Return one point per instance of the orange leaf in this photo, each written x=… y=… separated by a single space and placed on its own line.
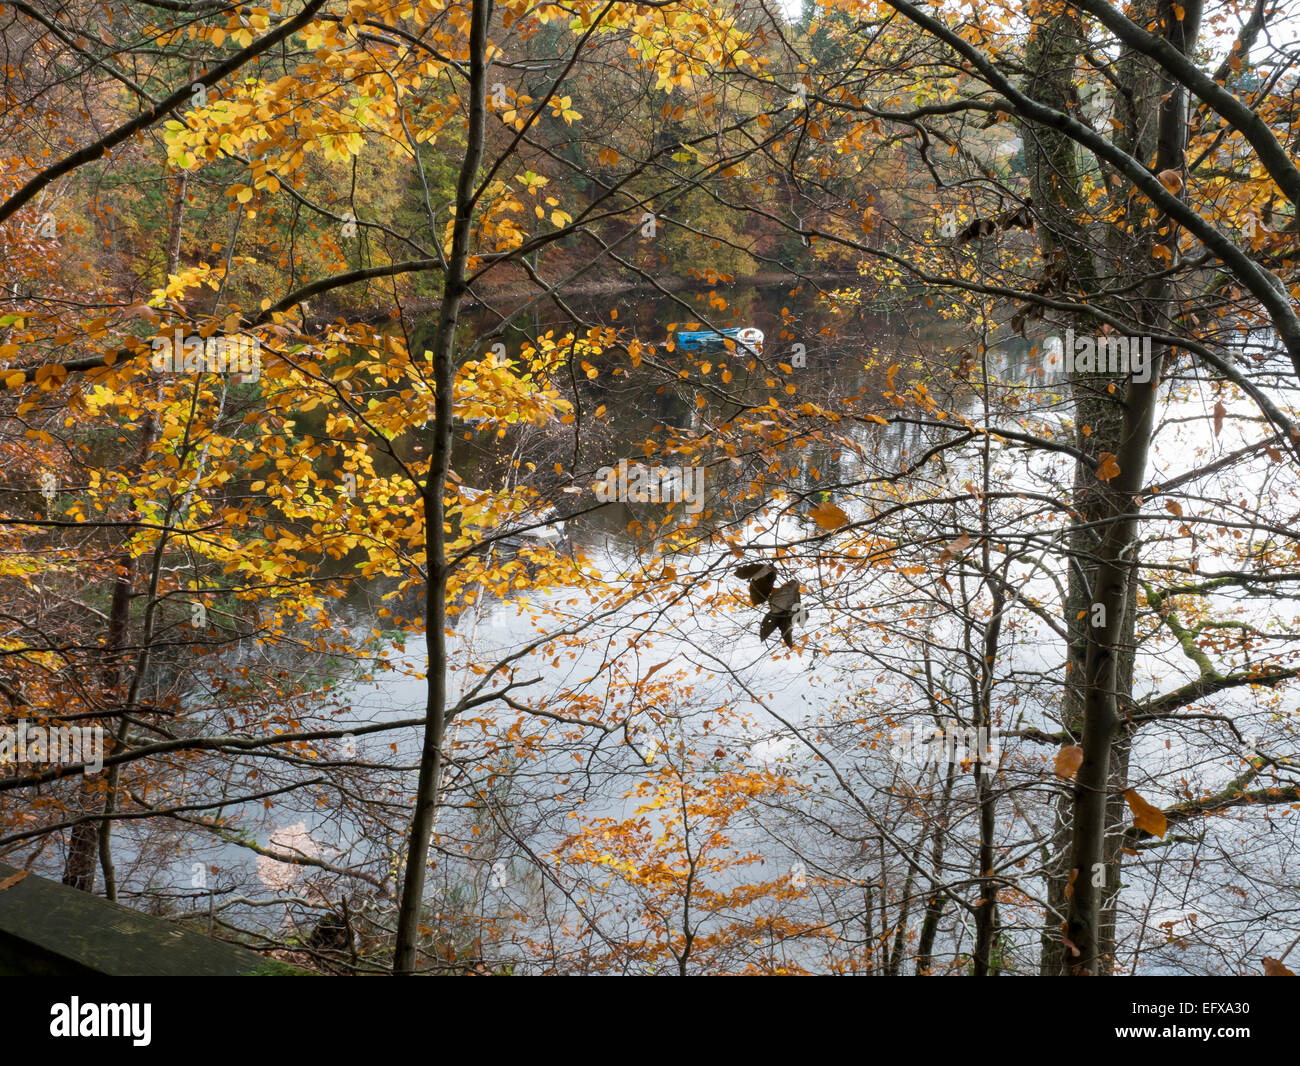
x=1145 y=816
x=1068 y=760
x=655 y=669
x=828 y=516
x=1107 y=468
x=1174 y=508
x=1171 y=180
x=12 y=880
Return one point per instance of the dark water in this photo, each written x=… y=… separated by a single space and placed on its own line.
x=835 y=348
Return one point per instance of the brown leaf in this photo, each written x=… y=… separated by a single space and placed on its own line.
x=786 y=597
x=1017 y=217
x=979 y=227
x=1272 y=968
x=1146 y=817
x=1219 y=412
x=761 y=577
x=787 y=630
x=1068 y=760
x=1174 y=507
x=12 y=880
x=955 y=548
x=655 y=669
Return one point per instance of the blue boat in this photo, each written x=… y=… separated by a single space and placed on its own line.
x=746 y=338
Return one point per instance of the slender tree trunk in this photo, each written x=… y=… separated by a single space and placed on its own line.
x=426 y=794
x=869 y=929
x=120 y=621
x=79 y=866
x=1113 y=849
x=93 y=839
x=900 y=928
x=938 y=899
x=986 y=905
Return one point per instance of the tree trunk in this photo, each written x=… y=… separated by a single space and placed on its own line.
x=426 y=795
x=1117 y=561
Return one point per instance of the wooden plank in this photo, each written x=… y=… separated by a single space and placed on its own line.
x=49 y=929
